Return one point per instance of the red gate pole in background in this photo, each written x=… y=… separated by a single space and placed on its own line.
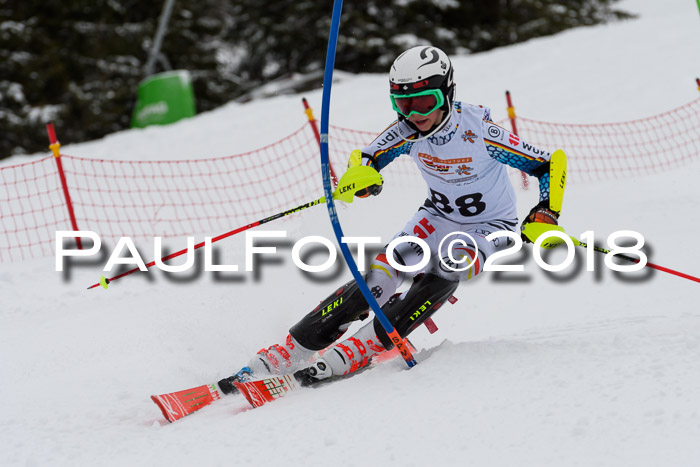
x=511 y=115
x=697 y=81
x=55 y=146
x=312 y=121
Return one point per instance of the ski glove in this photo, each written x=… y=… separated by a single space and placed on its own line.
x=357 y=158
x=542 y=214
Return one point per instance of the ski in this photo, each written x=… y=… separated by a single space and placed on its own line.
x=260 y=392
x=176 y=405
x=267 y=390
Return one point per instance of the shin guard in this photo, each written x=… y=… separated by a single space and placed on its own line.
x=331 y=318
x=409 y=311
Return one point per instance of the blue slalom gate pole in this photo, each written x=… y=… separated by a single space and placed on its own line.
x=328 y=190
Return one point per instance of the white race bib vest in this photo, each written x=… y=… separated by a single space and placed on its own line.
x=464 y=182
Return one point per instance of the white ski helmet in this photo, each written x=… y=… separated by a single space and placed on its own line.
x=416 y=72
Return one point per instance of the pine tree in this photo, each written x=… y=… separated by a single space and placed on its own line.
x=79 y=62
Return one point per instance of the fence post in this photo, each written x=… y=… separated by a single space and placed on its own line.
x=55 y=147
x=511 y=115
x=312 y=121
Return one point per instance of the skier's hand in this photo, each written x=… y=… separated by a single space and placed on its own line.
x=373 y=190
x=542 y=214
x=357 y=158
x=360 y=181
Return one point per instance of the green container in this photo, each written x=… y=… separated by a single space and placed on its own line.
x=164 y=98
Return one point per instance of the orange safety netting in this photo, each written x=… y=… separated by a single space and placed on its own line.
x=143 y=199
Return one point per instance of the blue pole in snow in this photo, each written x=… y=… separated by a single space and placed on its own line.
x=325 y=172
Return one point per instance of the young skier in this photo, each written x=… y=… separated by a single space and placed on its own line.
x=462 y=156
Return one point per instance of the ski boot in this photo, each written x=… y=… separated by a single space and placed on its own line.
x=271 y=361
x=317 y=372
x=244 y=375
x=344 y=358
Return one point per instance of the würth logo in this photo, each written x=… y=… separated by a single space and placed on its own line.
x=513 y=139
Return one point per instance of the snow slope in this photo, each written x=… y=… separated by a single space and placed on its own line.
x=578 y=368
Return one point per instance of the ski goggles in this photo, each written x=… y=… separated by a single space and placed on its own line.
x=421 y=103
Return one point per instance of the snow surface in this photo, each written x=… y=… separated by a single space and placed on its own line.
x=568 y=369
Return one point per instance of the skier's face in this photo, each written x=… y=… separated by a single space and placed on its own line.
x=425 y=123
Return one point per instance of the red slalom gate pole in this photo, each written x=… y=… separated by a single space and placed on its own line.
x=511 y=115
x=312 y=121
x=55 y=147
x=511 y=112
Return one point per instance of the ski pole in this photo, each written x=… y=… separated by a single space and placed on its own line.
x=345 y=191
x=636 y=260
x=104 y=282
x=533 y=230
